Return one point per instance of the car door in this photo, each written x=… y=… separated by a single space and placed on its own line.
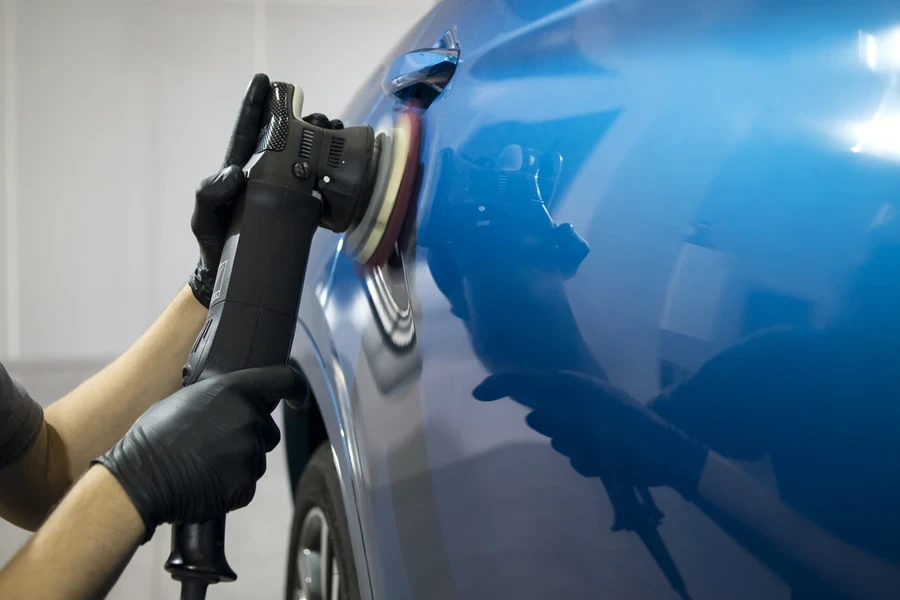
x=626 y=191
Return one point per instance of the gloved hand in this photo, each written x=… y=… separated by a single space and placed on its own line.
x=604 y=431
x=215 y=193
x=198 y=453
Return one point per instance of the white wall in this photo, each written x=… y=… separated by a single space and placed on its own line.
x=4 y=92
x=121 y=107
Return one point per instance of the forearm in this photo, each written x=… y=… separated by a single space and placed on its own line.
x=842 y=566
x=89 y=420
x=85 y=544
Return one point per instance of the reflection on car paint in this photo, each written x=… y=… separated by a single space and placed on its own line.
x=678 y=220
x=389 y=338
x=821 y=403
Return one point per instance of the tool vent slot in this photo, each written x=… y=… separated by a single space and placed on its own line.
x=335 y=152
x=202 y=335
x=306 y=143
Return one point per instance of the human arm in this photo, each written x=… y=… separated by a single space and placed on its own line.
x=797 y=546
x=89 y=420
x=738 y=402
x=88 y=540
x=608 y=434
x=86 y=422
x=192 y=457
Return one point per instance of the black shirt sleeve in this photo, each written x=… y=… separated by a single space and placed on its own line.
x=20 y=419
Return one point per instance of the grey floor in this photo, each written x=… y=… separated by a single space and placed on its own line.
x=256 y=539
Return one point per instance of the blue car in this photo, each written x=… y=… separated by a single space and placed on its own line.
x=640 y=334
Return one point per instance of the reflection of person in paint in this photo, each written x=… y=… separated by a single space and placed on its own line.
x=504 y=238
x=821 y=404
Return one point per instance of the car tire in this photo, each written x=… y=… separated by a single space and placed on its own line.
x=319 y=535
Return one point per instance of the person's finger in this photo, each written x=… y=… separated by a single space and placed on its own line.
x=564 y=446
x=261 y=465
x=245 y=135
x=255 y=457
x=584 y=467
x=502 y=385
x=242 y=496
x=271 y=433
x=268 y=384
x=540 y=423
x=492 y=388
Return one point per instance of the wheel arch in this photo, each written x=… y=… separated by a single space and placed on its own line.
x=313 y=354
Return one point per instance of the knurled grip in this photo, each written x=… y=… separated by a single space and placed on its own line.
x=283 y=103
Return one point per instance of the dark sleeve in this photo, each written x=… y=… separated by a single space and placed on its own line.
x=734 y=400
x=20 y=419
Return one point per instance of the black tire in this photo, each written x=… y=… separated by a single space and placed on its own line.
x=319 y=488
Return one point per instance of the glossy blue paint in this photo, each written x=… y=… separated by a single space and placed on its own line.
x=692 y=206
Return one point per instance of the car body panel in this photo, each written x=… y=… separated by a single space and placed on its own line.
x=625 y=190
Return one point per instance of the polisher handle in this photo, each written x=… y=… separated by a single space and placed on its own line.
x=251 y=323
x=257 y=292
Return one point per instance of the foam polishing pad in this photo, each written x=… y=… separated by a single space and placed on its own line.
x=371 y=240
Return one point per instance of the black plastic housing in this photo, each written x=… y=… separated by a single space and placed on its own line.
x=257 y=293
x=343 y=177
x=301 y=176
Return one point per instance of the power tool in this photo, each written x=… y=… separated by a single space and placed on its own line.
x=306 y=173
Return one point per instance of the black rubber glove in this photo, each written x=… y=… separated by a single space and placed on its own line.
x=605 y=432
x=198 y=453
x=216 y=193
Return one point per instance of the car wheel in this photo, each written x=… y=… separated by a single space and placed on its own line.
x=320 y=560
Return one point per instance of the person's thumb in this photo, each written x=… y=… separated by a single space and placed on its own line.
x=497 y=386
x=269 y=384
x=528 y=389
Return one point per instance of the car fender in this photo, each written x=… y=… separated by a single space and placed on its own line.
x=314 y=353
